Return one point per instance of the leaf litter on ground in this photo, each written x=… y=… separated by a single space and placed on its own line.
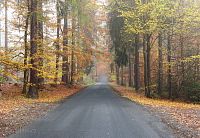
x=182 y=117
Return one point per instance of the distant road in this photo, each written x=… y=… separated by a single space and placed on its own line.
x=97 y=112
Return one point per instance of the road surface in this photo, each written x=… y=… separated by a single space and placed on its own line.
x=97 y=112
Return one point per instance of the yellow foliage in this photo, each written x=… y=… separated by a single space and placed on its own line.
x=141 y=99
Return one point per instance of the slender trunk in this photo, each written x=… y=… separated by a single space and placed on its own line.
x=130 y=70
x=26 y=49
x=148 y=65
x=0 y=30
x=73 y=44
x=79 y=36
x=6 y=26
x=117 y=74
x=137 y=64
x=145 y=64
x=160 y=65
x=180 y=68
x=169 y=67
x=65 y=65
x=122 y=75
x=57 y=43
x=33 y=89
x=182 y=57
x=198 y=63
x=6 y=34
x=40 y=42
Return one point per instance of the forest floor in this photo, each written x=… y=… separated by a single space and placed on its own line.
x=183 y=118
x=16 y=111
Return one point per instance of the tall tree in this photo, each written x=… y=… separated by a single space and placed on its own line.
x=6 y=32
x=59 y=15
x=130 y=69
x=169 y=79
x=73 y=43
x=160 y=64
x=26 y=50
x=33 y=89
x=65 y=65
x=40 y=41
x=1 y=3
x=137 y=63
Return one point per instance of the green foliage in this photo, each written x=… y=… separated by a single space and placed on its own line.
x=2 y=79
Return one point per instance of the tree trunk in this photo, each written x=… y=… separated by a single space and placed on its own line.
x=137 y=64
x=26 y=51
x=130 y=70
x=0 y=30
x=40 y=42
x=147 y=68
x=65 y=65
x=6 y=35
x=145 y=65
x=78 y=69
x=73 y=44
x=160 y=65
x=169 y=67
x=57 y=42
x=182 y=73
x=148 y=65
x=122 y=75
x=197 y=64
x=117 y=74
x=33 y=89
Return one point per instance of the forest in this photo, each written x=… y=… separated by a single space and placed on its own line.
x=86 y=68
x=155 y=44
x=51 y=42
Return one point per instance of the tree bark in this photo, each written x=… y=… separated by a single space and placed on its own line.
x=122 y=75
x=197 y=64
x=117 y=74
x=169 y=67
x=137 y=64
x=40 y=42
x=33 y=89
x=130 y=70
x=26 y=51
x=78 y=69
x=6 y=35
x=148 y=65
x=145 y=64
x=57 y=42
x=73 y=44
x=65 y=65
x=160 y=65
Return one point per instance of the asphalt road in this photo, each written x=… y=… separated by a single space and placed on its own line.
x=97 y=112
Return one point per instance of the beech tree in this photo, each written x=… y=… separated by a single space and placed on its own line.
x=159 y=27
x=48 y=51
